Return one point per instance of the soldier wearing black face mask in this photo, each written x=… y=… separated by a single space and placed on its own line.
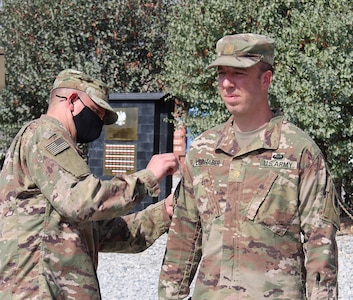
x=89 y=97
x=87 y=122
x=87 y=118
x=55 y=215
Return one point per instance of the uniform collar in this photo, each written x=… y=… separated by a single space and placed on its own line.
x=228 y=143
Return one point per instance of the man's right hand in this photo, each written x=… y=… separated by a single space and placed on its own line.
x=162 y=165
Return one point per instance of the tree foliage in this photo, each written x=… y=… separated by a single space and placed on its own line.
x=313 y=73
x=120 y=42
x=127 y=43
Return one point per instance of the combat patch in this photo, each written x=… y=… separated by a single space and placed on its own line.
x=278 y=161
x=207 y=163
x=57 y=146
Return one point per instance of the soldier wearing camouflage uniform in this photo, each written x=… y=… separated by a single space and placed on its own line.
x=55 y=215
x=256 y=210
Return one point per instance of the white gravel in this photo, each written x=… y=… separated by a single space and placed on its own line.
x=135 y=276
x=131 y=276
x=345 y=266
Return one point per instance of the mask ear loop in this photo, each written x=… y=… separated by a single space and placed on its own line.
x=81 y=101
x=73 y=97
x=63 y=98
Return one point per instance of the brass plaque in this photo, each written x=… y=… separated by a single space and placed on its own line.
x=125 y=128
x=119 y=159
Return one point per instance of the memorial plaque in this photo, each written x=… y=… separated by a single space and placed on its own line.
x=119 y=159
x=128 y=145
x=125 y=128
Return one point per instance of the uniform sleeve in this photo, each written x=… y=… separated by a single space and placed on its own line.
x=135 y=232
x=183 y=250
x=319 y=221
x=63 y=177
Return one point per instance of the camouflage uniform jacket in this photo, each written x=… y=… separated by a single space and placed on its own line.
x=259 y=222
x=55 y=216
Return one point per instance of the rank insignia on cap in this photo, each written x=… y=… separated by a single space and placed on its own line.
x=57 y=146
x=229 y=49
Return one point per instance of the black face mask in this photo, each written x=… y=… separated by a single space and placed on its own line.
x=88 y=125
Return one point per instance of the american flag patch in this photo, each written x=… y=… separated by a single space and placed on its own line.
x=57 y=146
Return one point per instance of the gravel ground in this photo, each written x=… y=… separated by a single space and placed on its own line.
x=131 y=276
x=135 y=276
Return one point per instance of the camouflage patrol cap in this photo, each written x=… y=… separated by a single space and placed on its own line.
x=243 y=50
x=95 y=89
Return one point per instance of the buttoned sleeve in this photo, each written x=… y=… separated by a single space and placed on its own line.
x=319 y=221
x=134 y=232
x=183 y=251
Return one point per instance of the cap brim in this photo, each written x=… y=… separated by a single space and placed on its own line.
x=110 y=117
x=233 y=61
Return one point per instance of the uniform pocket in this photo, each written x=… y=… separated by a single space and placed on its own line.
x=331 y=210
x=274 y=205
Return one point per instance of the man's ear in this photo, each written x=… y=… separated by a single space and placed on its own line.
x=267 y=78
x=73 y=97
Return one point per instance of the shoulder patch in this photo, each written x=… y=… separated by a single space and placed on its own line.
x=48 y=135
x=57 y=146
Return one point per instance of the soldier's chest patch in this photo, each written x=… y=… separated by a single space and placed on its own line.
x=278 y=160
x=201 y=162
